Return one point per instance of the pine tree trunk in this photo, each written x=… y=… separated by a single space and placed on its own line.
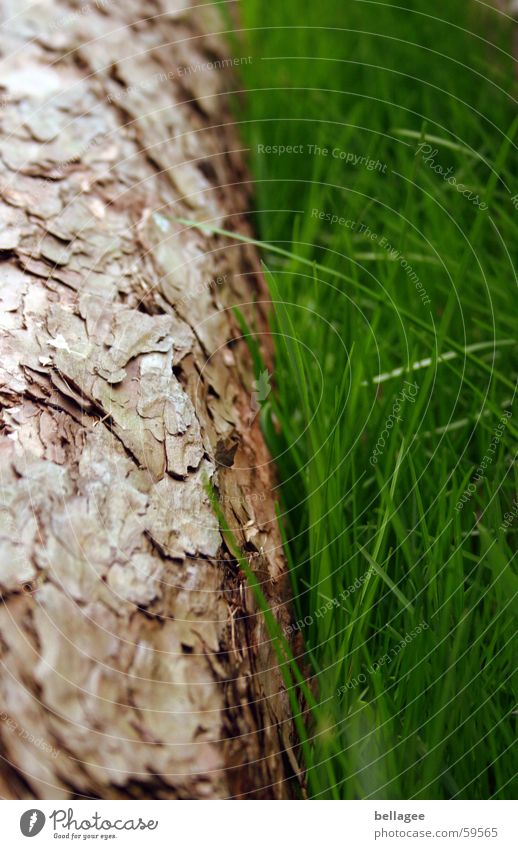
x=134 y=662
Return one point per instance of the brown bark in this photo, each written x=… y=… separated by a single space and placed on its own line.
x=134 y=662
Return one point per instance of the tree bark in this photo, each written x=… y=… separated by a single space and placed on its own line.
x=134 y=661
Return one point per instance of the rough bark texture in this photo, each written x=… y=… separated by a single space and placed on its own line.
x=134 y=663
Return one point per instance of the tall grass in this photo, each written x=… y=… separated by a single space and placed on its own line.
x=394 y=316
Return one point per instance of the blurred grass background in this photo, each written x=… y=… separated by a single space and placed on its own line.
x=432 y=716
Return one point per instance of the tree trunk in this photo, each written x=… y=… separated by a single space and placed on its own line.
x=134 y=661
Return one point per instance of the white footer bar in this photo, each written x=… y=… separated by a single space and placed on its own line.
x=293 y=825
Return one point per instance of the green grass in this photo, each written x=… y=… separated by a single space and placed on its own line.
x=435 y=718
